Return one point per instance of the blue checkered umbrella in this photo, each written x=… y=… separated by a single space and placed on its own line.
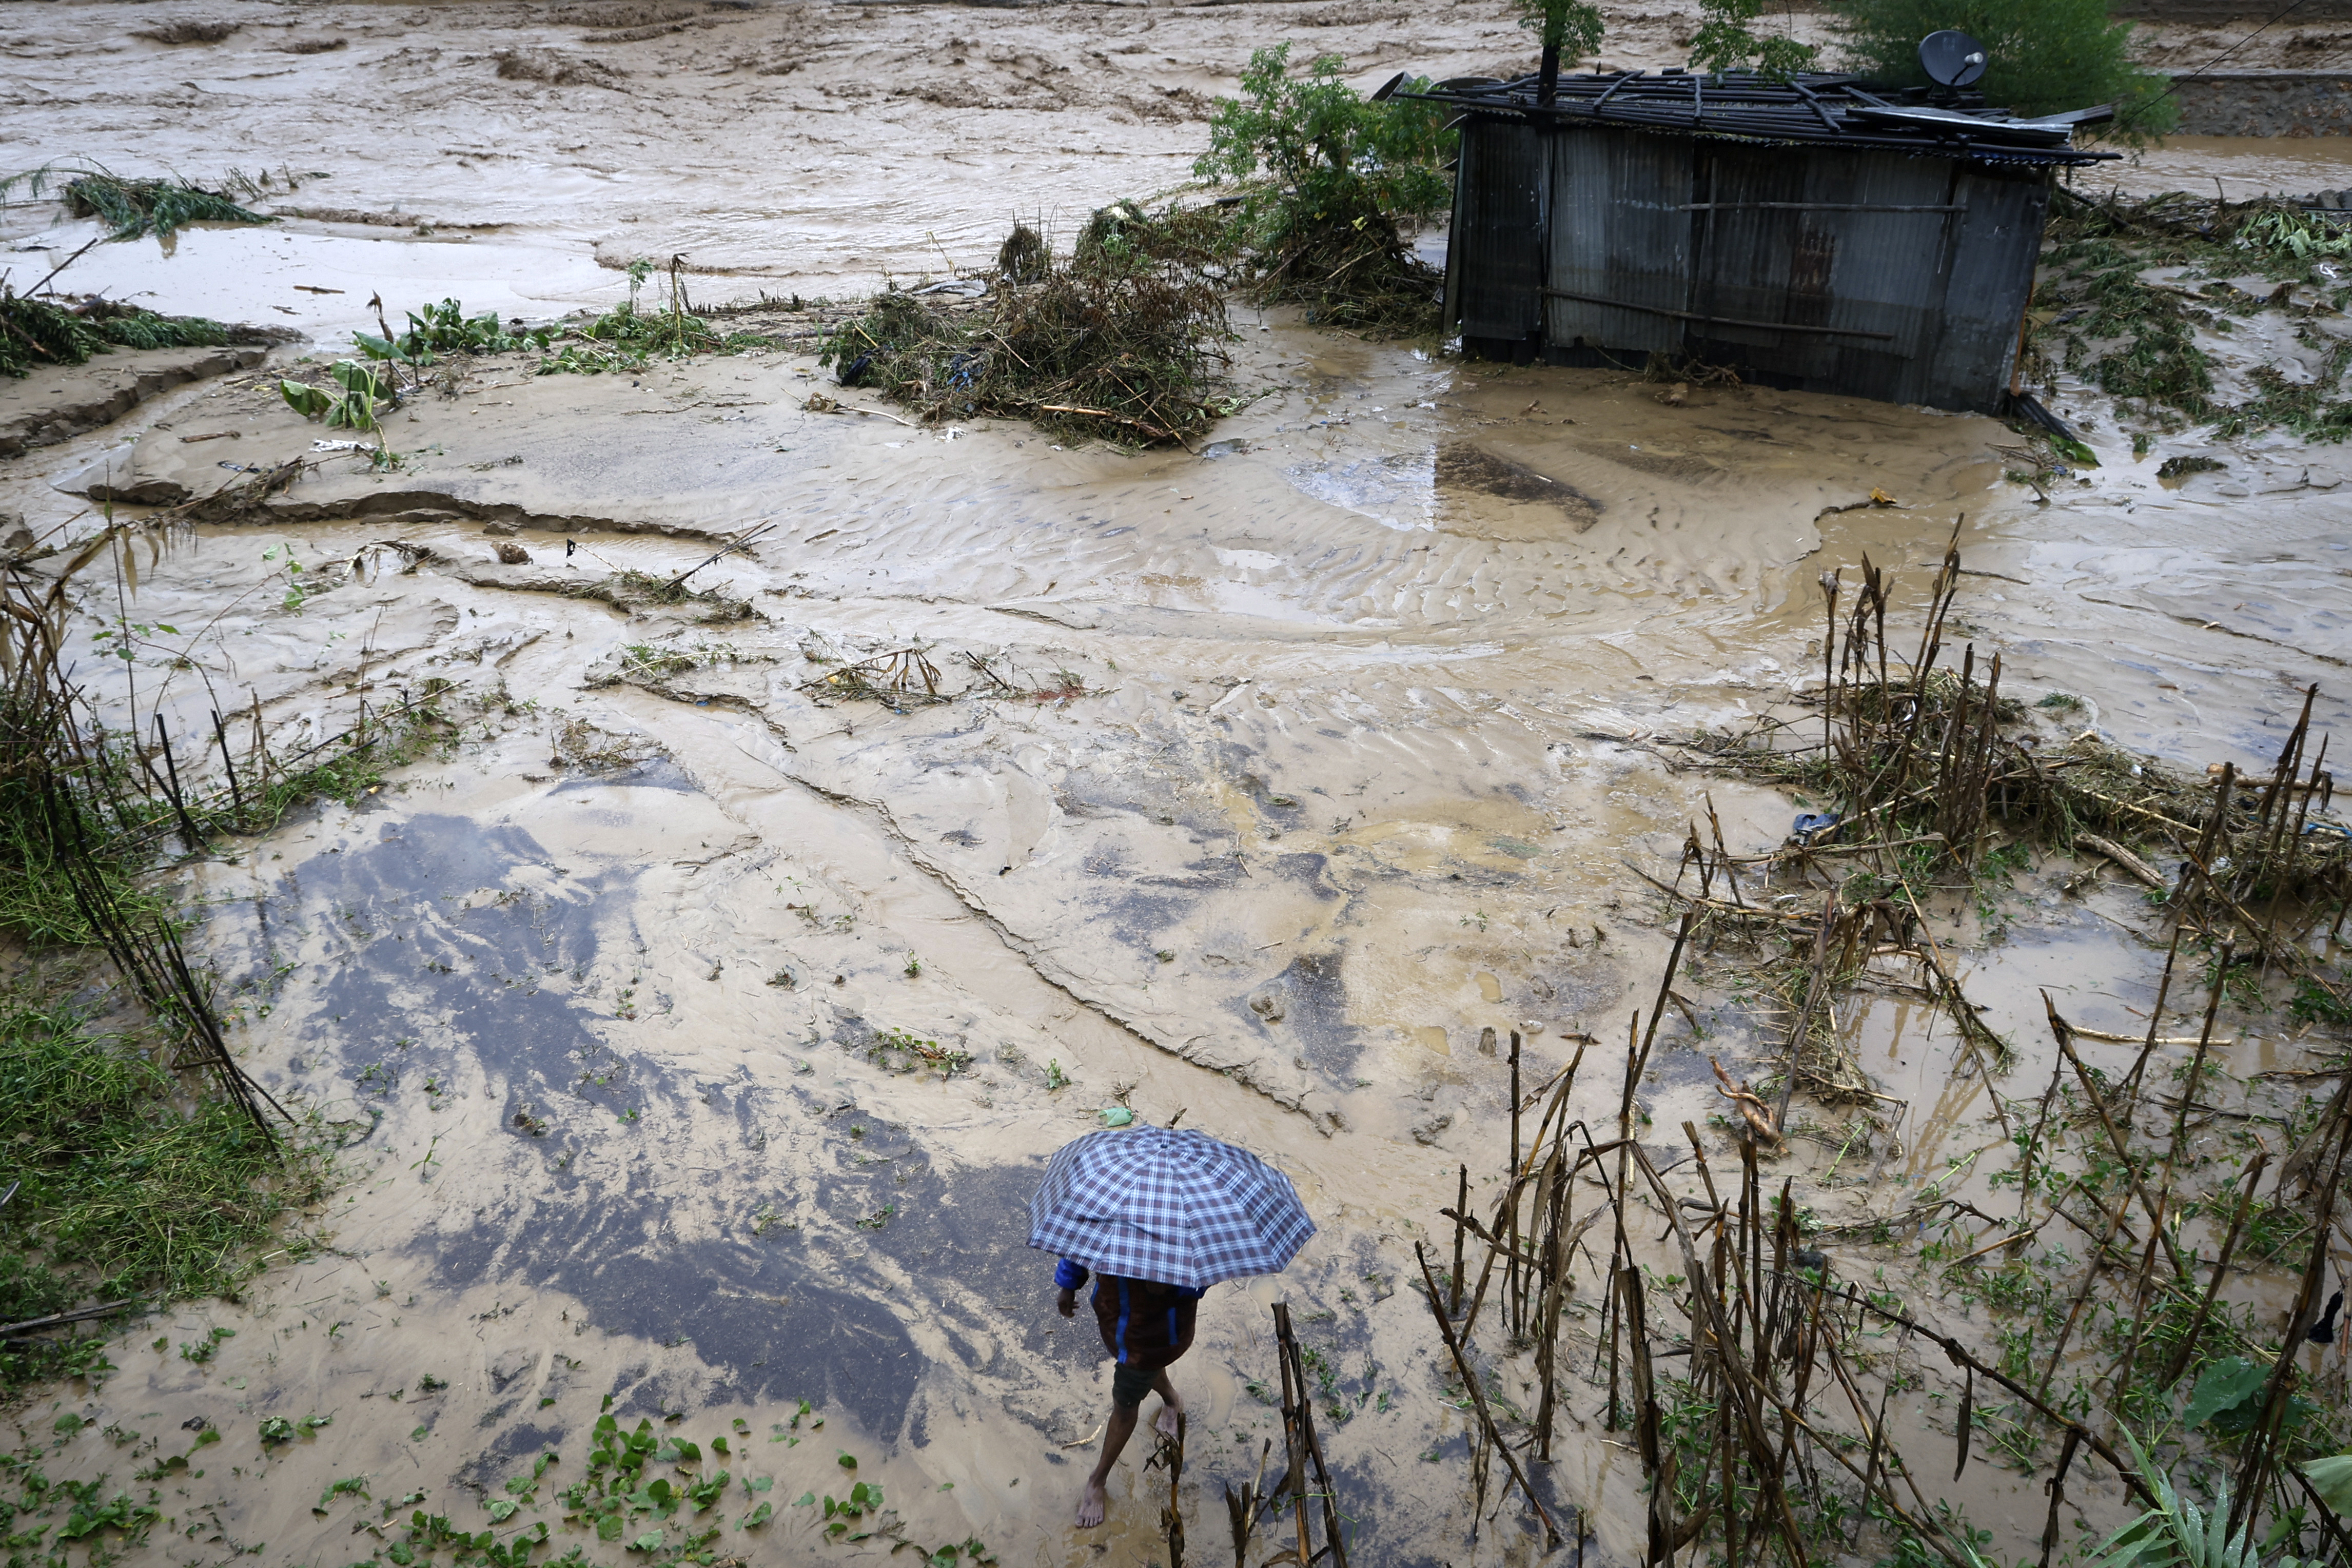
x=1177 y=1207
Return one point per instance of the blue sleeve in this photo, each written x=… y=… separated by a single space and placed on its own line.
x=1068 y=1276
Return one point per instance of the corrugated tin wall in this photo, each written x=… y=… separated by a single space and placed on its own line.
x=1869 y=273
x=1623 y=235
x=1494 y=289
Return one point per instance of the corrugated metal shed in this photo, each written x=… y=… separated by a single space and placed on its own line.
x=1814 y=234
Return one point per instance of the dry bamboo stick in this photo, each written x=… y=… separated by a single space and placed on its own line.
x=1478 y=1402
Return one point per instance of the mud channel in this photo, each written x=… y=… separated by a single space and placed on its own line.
x=1260 y=781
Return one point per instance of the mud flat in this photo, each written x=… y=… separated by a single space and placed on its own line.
x=693 y=1028
x=690 y=1028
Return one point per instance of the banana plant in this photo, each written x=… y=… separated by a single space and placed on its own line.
x=353 y=407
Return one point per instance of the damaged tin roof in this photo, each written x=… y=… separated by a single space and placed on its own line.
x=1807 y=109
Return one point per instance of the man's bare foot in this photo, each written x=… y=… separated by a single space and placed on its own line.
x=1092 y=1503
x=1170 y=1408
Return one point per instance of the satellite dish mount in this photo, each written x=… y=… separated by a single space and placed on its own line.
x=1952 y=59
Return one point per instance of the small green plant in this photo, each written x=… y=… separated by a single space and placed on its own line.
x=362 y=389
x=1055 y=1076
x=629 y=336
x=446 y=329
x=2314 y=1003
x=914 y=967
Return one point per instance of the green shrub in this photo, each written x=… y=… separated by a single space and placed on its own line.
x=1318 y=140
x=1565 y=30
x=2046 y=55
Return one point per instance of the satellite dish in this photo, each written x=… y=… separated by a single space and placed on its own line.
x=1952 y=58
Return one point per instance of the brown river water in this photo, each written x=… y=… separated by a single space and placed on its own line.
x=1316 y=754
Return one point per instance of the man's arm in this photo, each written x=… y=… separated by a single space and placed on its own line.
x=1068 y=1277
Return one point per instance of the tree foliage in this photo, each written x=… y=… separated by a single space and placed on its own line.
x=2047 y=55
x=1727 y=40
x=1572 y=26
x=1310 y=135
x=1327 y=177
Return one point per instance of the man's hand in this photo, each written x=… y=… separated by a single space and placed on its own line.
x=1067 y=1304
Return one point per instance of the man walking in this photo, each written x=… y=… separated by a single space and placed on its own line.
x=1146 y=1326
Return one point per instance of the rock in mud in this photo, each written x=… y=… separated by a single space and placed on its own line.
x=1463 y=466
x=513 y=555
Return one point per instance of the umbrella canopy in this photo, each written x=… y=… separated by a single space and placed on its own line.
x=1177 y=1207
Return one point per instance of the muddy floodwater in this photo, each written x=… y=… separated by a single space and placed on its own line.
x=693 y=1029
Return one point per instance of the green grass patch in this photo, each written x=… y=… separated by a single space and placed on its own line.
x=629 y=336
x=129 y=1188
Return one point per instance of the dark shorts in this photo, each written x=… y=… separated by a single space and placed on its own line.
x=1130 y=1383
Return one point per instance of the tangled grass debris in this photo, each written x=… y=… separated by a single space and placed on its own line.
x=1117 y=342
x=2148 y=341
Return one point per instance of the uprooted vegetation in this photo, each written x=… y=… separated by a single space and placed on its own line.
x=129 y=207
x=1122 y=340
x=2150 y=341
x=1944 y=760
x=45 y=332
x=1930 y=785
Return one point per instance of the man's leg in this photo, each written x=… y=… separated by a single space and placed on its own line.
x=1094 y=1502
x=1171 y=1404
